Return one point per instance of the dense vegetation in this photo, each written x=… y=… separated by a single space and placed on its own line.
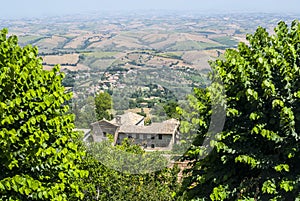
x=126 y=172
x=39 y=159
x=257 y=155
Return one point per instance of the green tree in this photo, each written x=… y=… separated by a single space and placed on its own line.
x=39 y=157
x=84 y=110
x=107 y=182
x=257 y=155
x=170 y=109
x=103 y=103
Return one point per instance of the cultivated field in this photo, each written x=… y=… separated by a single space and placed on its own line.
x=61 y=59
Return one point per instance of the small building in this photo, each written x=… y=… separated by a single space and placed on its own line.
x=157 y=136
x=103 y=127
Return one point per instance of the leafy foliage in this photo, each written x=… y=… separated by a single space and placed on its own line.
x=84 y=111
x=39 y=157
x=103 y=103
x=257 y=155
x=105 y=182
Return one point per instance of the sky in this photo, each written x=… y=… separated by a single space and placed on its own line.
x=11 y=9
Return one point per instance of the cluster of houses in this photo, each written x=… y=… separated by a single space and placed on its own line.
x=156 y=136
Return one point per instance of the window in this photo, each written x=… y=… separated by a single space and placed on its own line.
x=152 y=146
x=152 y=137
x=104 y=134
x=160 y=136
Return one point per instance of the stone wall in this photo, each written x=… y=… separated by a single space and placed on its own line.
x=148 y=140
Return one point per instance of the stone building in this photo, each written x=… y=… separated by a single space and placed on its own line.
x=157 y=136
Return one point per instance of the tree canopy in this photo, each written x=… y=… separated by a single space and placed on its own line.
x=39 y=155
x=257 y=155
x=111 y=173
x=103 y=103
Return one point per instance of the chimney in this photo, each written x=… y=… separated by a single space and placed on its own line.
x=118 y=120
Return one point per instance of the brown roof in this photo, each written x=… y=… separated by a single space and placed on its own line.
x=128 y=118
x=101 y=122
x=166 y=127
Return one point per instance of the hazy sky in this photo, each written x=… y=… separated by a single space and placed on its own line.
x=36 y=8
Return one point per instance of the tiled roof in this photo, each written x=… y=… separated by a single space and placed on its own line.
x=128 y=118
x=166 y=127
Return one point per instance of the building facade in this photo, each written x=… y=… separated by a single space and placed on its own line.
x=157 y=136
